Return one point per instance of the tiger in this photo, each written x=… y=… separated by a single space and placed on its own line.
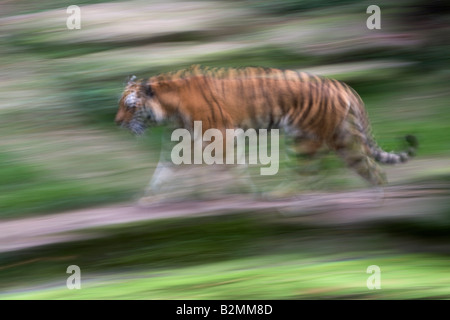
x=314 y=111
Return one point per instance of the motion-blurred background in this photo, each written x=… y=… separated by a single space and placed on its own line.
x=60 y=150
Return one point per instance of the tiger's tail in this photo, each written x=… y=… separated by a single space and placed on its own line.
x=376 y=151
x=385 y=157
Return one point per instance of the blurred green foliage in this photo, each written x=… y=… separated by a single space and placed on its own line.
x=239 y=256
x=60 y=149
x=30 y=189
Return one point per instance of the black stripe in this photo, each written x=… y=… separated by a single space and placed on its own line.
x=260 y=94
x=341 y=90
x=208 y=101
x=211 y=87
x=294 y=96
x=249 y=103
x=317 y=102
x=339 y=100
x=310 y=101
x=299 y=99
x=327 y=102
x=283 y=106
x=241 y=88
x=288 y=85
x=223 y=87
x=268 y=94
x=271 y=109
x=280 y=104
x=262 y=85
x=219 y=106
x=322 y=101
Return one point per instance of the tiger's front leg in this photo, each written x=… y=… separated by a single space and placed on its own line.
x=168 y=181
x=158 y=189
x=172 y=182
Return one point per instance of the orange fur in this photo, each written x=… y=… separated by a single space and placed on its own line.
x=313 y=109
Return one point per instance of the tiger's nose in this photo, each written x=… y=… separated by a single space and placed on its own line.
x=118 y=121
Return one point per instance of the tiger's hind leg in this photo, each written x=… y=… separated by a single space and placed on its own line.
x=349 y=144
x=303 y=161
x=306 y=153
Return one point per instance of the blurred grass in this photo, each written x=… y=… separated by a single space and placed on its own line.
x=239 y=256
x=254 y=278
x=29 y=189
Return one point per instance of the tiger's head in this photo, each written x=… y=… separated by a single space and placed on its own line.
x=139 y=107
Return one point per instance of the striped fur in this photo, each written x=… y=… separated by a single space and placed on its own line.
x=316 y=111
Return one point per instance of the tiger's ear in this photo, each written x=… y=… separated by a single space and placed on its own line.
x=147 y=89
x=131 y=79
